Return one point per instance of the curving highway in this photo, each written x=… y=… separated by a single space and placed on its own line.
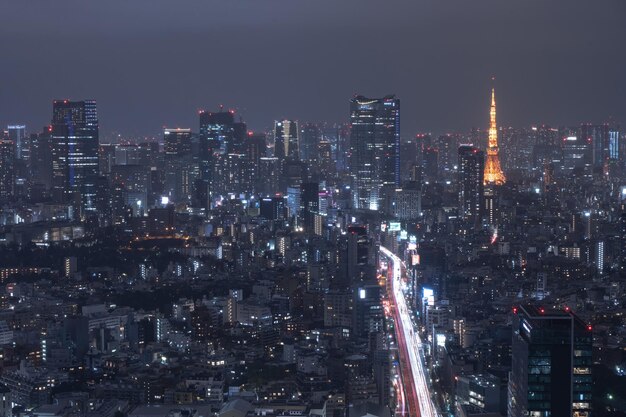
x=414 y=378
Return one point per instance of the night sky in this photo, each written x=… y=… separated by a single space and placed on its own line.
x=151 y=63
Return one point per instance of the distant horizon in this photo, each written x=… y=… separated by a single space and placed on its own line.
x=151 y=63
x=194 y=127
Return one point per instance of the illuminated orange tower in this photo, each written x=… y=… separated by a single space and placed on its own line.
x=493 y=171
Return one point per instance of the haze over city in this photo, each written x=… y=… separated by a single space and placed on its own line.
x=292 y=208
x=154 y=63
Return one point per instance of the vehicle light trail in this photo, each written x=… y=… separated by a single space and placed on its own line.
x=414 y=378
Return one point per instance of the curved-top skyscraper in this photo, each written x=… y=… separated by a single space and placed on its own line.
x=493 y=171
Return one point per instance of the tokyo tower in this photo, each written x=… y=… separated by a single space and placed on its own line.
x=493 y=171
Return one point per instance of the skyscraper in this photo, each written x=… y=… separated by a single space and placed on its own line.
x=17 y=133
x=286 y=139
x=310 y=136
x=177 y=163
x=598 y=137
x=7 y=169
x=614 y=144
x=551 y=364
x=218 y=128
x=374 y=148
x=471 y=188
x=493 y=171
x=309 y=204
x=254 y=148
x=41 y=157
x=74 y=133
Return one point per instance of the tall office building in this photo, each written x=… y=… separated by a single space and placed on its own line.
x=576 y=153
x=471 y=188
x=309 y=204
x=374 y=148
x=310 y=136
x=615 y=146
x=41 y=157
x=361 y=256
x=598 y=137
x=255 y=149
x=551 y=364
x=268 y=181
x=17 y=133
x=286 y=139
x=74 y=133
x=430 y=164
x=7 y=169
x=368 y=310
x=178 y=157
x=218 y=128
x=493 y=170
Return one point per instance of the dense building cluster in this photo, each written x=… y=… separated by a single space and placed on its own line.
x=216 y=271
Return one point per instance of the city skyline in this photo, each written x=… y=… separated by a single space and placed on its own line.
x=281 y=208
x=442 y=82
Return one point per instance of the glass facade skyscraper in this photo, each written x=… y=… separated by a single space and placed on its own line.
x=75 y=167
x=374 y=148
x=286 y=139
x=551 y=364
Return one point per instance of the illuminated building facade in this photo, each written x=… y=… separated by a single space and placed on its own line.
x=286 y=139
x=75 y=163
x=471 y=177
x=178 y=156
x=374 y=148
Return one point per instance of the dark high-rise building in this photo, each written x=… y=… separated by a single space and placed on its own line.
x=17 y=133
x=310 y=136
x=236 y=173
x=75 y=152
x=286 y=139
x=178 y=157
x=551 y=364
x=7 y=169
x=41 y=157
x=368 y=310
x=255 y=149
x=430 y=164
x=622 y=237
x=360 y=256
x=272 y=208
x=447 y=146
x=309 y=204
x=597 y=136
x=576 y=152
x=268 y=181
x=374 y=148
x=218 y=128
x=240 y=136
x=136 y=181
x=471 y=188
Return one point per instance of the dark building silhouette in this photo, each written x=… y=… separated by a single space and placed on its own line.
x=471 y=188
x=551 y=364
x=7 y=169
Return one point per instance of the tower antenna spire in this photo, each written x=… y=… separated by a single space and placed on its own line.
x=493 y=171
